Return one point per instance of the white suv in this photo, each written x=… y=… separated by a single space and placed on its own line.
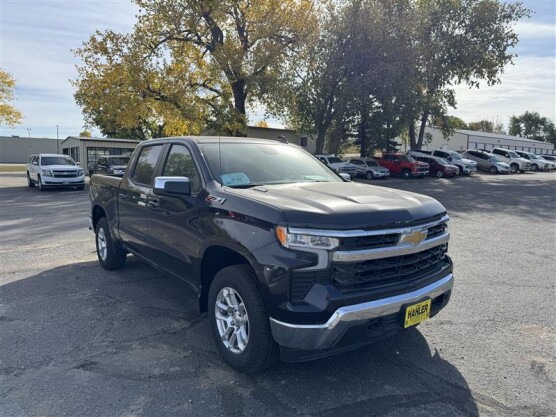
x=337 y=165
x=516 y=162
x=51 y=170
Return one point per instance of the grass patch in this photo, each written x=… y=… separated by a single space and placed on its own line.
x=12 y=168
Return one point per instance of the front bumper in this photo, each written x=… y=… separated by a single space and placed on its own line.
x=379 y=174
x=63 y=182
x=326 y=336
x=420 y=173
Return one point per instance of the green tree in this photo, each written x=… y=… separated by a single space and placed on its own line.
x=85 y=134
x=458 y=42
x=9 y=115
x=533 y=126
x=191 y=65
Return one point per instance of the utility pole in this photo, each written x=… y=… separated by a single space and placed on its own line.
x=57 y=141
x=29 y=131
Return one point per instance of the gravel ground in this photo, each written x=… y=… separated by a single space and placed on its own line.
x=76 y=340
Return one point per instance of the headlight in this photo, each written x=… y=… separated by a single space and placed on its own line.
x=47 y=173
x=79 y=172
x=295 y=240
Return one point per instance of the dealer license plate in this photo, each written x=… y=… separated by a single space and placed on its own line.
x=416 y=313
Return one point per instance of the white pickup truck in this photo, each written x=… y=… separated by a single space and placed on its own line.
x=51 y=170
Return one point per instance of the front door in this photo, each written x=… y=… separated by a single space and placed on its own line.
x=173 y=236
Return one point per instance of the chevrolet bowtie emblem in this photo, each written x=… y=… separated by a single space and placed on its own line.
x=413 y=237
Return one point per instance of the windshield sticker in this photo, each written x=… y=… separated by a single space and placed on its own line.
x=235 y=178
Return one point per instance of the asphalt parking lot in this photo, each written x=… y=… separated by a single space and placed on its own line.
x=76 y=340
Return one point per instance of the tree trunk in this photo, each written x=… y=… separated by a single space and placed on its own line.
x=422 y=129
x=240 y=96
x=412 y=140
x=321 y=136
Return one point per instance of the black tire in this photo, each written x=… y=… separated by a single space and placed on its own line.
x=439 y=173
x=261 y=351
x=406 y=173
x=30 y=182
x=535 y=167
x=514 y=168
x=460 y=170
x=369 y=175
x=115 y=255
x=493 y=170
x=39 y=183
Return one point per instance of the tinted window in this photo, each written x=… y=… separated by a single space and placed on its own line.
x=56 y=160
x=146 y=163
x=356 y=162
x=498 y=152
x=181 y=164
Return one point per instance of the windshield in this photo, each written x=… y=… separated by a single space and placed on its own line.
x=406 y=158
x=334 y=160
x=494 y=158
x=119 y=161
x=56 y=160
x=371 y=162
x=455 y=155
x=513 y=154
x=249 y=164
x=533 y=156
x=442 y=161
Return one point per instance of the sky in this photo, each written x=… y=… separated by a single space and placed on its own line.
x=37 y=36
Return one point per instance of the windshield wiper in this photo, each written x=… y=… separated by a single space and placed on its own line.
x=250 y=185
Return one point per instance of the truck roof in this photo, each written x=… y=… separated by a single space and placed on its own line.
x=219 y=139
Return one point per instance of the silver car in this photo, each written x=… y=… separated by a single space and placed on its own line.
x=369 y=168
x=487 y=161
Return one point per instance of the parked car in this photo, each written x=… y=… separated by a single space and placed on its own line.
x=552 y=164
x=465 y=166
x=337 y=165
x=438 y=167
x=549 y=157
x=52 y=170
x=369 y=168
x=110 y=165
x=403 y=165
x=487 y=161
x=536 y=163
x=286 y=258
x=515 y=162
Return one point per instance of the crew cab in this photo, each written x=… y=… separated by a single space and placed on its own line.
x=287 y=259
x=516 y=163
x=337 y=165
x=403 y=165
x=53 y=170
x=110 y=165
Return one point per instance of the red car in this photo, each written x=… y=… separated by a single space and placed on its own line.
x=403 y=165
x=439 y=167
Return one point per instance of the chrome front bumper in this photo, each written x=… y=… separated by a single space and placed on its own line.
x=324 y=336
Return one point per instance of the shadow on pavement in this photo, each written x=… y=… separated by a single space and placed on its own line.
x=83 y=341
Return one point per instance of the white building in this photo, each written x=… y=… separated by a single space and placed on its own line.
x=470 y=139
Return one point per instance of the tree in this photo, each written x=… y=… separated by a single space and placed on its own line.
x=85 y=134
x=262 y=123
x=487 y=126
x=462 y=41
x=190 y=65
x=9 y=115
x=533 y=126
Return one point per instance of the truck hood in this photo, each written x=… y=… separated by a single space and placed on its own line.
x=468 y=161
x=344 y=206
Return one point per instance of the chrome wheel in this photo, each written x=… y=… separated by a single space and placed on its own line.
x=232 y=320
x=101 y=244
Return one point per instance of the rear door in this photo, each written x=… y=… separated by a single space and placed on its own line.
x=133 y=197
x=171 y=219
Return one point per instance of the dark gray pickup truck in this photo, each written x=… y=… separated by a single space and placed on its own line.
x=286 y=257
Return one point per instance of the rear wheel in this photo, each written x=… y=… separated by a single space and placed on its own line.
x=406 y=173
x=369 y=175
x=30 y=182
x=514 y=168
x=239 y=321
x=493 y=170
x=110 y=254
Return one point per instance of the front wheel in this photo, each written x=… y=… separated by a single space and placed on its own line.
x=39 y=183
x=406 y=173
x=239 y=321
x=514 y=168
x=439 y=174
x=110 y=254
x=30 y=182
x=535 y=167
x=493 y=170
x=369 y=175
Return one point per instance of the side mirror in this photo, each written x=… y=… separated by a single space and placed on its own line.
x=172 y=186
x=345 y=176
